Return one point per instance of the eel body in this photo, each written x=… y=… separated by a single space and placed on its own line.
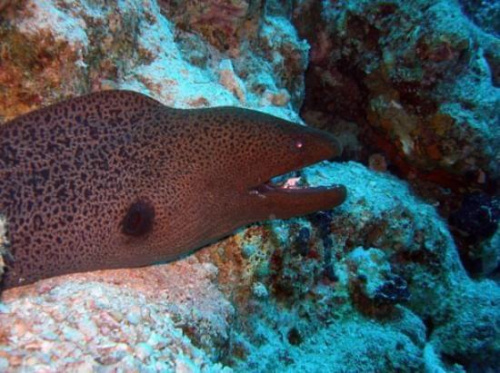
x=116 y=179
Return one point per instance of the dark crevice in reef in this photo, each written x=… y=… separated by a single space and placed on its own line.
x=493 y=60
x=474 y=221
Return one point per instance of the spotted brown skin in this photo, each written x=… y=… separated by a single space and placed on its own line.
x=115 y=179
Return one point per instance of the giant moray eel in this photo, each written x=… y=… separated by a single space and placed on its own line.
x=116 y=179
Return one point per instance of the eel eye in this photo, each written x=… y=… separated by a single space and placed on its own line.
x=298 y=145
x=139 y=219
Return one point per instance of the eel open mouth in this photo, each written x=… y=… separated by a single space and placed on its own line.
x=286 y=197
x=293 y=183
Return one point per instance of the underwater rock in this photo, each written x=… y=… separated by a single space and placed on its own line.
x=407 y=261
x=131 y=45
x=418 y=81
x=485 y=14
x=490 y=255
x=417 y=76
x=266 y=51
x=151 y=319
x=223 y=23
x=374 y=287
x=470 y=337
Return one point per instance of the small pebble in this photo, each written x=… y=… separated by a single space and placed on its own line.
x=134 y=316
x=116 y=315
x=157 y=341
x=248 y=249
x=72 y=334
x=83 y=367
x=4 y=364
x=143 y=350
x=19 y=328
x=49 y=335
x=88 y=327
x=259 y=290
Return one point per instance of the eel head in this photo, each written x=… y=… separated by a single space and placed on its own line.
x=266 y=148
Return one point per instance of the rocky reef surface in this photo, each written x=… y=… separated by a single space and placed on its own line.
x=419 y=76
x=377 y=284
x=413 y=87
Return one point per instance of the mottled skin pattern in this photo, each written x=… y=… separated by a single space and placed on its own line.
x=115 y=179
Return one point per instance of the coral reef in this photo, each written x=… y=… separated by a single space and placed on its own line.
x=420 y=81
x=375 y=285
x=470 y=337
x=223 y=23
x=394 y=263
x=484 y=14
x=427 y=92
x=265 y=51
x=91 y=47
